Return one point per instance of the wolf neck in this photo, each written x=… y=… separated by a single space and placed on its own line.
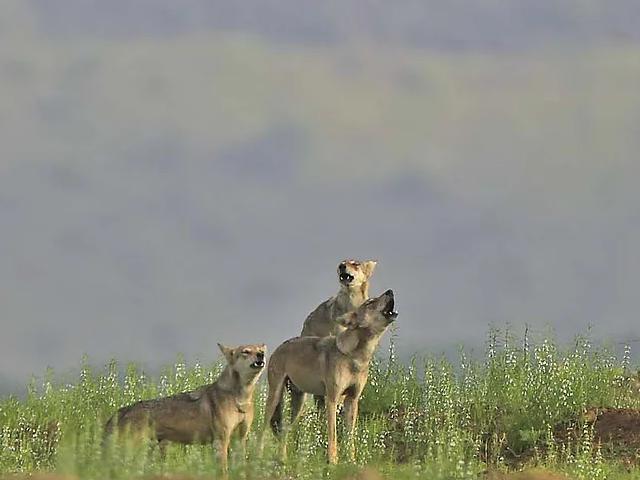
x=349 y=298
x=365 y=345
x=231 y=382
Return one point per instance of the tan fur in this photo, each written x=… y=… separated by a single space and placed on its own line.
x=209 y=414
x=322 y=321
x=328 y=366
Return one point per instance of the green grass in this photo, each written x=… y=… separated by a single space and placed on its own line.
x=431 y=418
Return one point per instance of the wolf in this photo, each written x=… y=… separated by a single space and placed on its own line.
x=331 y=366
x=353 y=276
x=210 y=413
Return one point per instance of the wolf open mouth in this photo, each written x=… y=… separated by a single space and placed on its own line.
x=346 y=278
x=389 y=311
x=257 y=364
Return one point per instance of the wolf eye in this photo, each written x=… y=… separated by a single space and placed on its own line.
x=246 y=352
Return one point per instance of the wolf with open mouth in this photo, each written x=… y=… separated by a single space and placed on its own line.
x=209 y=414
x=353 y=277
x=332 y=367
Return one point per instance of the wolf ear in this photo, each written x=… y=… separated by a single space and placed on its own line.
x=368 y=267
x=227 y=352
x=348 y=320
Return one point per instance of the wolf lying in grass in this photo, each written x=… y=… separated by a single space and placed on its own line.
x=209 y=414
x=328 y=366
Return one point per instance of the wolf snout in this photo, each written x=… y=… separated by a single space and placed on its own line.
x=346 y=278
x=389 y=310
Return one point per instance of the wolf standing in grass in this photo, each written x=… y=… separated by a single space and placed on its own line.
x=353 y=276
x=209 y=414
x=331 y=366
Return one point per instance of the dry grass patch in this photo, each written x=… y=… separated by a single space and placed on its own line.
x=528 y=475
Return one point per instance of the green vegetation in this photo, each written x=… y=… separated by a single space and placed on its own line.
x=430 y=419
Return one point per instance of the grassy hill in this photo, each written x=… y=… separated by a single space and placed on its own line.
x=526 y=403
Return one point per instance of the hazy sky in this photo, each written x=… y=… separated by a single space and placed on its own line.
x=174 y=177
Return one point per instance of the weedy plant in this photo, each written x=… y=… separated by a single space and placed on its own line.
x=428 y=418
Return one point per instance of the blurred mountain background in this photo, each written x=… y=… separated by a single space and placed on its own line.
x=174 y=174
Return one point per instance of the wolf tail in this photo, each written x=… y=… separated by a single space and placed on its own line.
x=276 y=420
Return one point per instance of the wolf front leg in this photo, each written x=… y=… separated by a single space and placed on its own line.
x=222 y=447
x=243 y=432
x=332 y=443
x=351 y=416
